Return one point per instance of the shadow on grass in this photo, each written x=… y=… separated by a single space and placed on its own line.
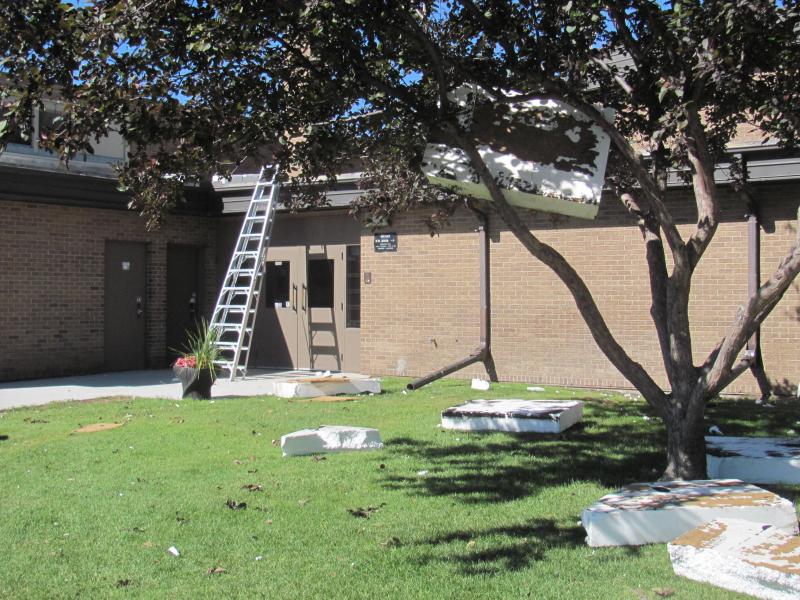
x=613 y=446
x=498 y=550
x=610 y=447
x=739 y=417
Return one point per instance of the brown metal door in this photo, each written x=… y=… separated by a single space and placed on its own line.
x=276 y=341
x=184 y=292
x=124 y=313
x=322 y=322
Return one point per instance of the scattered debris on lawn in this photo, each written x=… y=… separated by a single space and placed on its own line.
x=392 y=542
x=664 y=592
x=251 y=471
x=34 y=421
x=3 y=438
x=253 y=487
x=329 y=399
x=535 y=388
x=174 y=551
x=123 y=582
x=233 y=505
x=480 y=384
x=365 y=513
x=330 y=438
x=215 y=571
x=318 y=458
x=259 y=557
x=95 y=427
x=302 y=502
x=180 y=519
x=423 y=473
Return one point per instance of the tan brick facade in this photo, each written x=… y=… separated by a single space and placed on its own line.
x=421 y=310
x=52 y=273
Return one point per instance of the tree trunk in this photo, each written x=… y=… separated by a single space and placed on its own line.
x=686 y=446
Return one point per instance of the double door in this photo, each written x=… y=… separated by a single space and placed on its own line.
x=305 y=318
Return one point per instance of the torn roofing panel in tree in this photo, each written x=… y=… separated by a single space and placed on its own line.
x=544 y=154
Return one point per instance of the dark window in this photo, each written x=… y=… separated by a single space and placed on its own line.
x=353 y=285
x=276 y=286
x=320 y=283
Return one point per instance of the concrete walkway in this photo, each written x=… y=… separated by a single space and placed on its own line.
x=142 y=384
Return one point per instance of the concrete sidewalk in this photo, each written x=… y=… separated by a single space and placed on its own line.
x=142 y=384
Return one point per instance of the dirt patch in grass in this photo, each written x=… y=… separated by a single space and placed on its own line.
x=95 y=427
x=330 y=399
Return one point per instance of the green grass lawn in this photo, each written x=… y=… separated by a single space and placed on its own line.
x=92 y=515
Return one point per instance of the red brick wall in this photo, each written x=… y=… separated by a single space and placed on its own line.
x=52 y=274
x=421 y=311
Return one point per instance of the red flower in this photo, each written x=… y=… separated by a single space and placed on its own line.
x=186 y=362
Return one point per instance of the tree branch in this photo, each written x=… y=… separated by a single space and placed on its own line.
x=626 y=150
x=584 y=301
x=657 y=271
x=705 y=188
x=758 y=307
x=433 y=53
x=477 y=14
x=617 y=12
x=620 y=81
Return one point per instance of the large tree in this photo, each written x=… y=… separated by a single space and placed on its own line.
x=195 y=86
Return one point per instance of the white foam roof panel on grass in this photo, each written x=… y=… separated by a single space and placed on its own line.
x=651 y=513
x=741 y=556
x=330 y=438
x=757 y=460
x=332 y=385
x=514 y=416
x=544 y=154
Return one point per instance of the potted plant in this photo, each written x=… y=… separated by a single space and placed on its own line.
x=195 y=368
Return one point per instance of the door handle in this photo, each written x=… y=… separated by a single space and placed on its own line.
x=294 y=297
x=139 y=306
x=303 y=298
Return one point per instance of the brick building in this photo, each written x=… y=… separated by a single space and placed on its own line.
x=86 y=288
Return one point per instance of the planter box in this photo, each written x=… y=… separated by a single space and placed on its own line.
x=196 y=382
x=544 y=154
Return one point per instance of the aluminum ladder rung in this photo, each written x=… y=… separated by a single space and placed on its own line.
x=230 y=346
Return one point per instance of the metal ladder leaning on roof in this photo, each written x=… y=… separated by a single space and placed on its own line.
x=234 y=316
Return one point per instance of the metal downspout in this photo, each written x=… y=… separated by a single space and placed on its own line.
x=753 y=283
x=484 y=351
